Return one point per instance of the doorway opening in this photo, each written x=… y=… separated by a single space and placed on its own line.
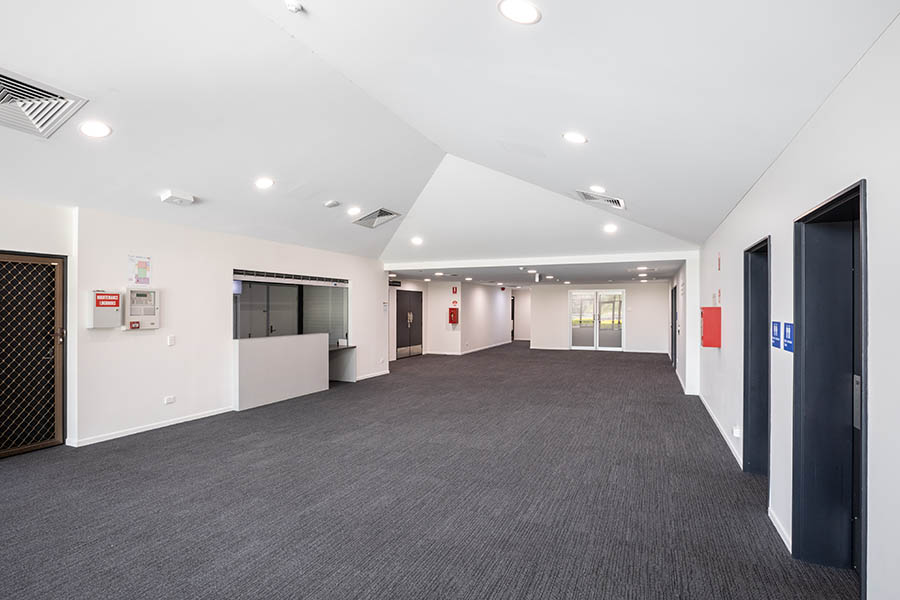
x=757 y=357
x=596 y=319
x=673 y=327
x=409 y=323
x=830 y=413
x=32 y=361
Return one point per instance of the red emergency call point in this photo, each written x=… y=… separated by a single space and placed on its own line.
x=711 y=326
x=454 y=316
x=134 y=324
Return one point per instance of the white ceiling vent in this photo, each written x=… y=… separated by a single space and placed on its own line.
x=600 y=200
x=377 y=218
x=33 y=107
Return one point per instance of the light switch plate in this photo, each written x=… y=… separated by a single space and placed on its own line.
x=170 y=340
x=169 y=400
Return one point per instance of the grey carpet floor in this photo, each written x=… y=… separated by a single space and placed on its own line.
x=507 y=473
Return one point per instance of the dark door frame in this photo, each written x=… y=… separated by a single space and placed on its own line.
x=673 y=316
x=63 y=356
x=857 y=191
x=749 y=466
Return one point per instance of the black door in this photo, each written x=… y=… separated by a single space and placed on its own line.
x=409 y=323
x=830 y=383
x=673 y=329
x=757 y=355
x=31 y=352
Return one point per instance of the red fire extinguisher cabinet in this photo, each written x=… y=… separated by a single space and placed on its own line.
x=711 y=326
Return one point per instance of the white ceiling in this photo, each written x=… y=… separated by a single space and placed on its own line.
x=204 y=96
x=578 y=274
x=468 y=211
x=685 y=103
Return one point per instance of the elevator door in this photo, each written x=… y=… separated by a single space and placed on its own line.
x=409 y=323
x=31 y=352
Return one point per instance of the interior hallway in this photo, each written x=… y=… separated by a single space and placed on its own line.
x=507 y=473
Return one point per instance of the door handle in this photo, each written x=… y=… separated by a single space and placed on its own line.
x=271 y=329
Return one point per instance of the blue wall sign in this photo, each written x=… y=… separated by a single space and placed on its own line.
x=789 y=337
x=776 y=334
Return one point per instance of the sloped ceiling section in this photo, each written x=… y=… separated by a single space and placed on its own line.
x=468 y=211
x=684 y=103
x=204 y=97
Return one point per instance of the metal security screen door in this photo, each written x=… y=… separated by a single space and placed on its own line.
x=31 y=352
x=596 y=319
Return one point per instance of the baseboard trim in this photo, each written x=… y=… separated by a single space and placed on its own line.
x=487 y=347
x=681 y=382
x=722 y=431
x=371 y=375
x=528 y=339
x=443 y=353
x=548 y=348
x=104 y=437
x=780 y=528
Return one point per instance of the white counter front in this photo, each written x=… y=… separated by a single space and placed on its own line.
x=273 y=369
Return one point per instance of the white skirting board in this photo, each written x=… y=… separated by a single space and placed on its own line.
x=94 y=439
x=779 y=527
x=487 y=347
x=548 y=348
x=734 y=451
x=371 y=375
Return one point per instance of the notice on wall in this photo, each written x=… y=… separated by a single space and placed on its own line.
x=139 y=270
x=789 y=337
x=776 y=334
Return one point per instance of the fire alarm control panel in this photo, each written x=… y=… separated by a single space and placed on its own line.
x=141 y=309
x=106 y=309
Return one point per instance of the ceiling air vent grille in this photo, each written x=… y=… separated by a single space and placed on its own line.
x=377 y=218
x=33 y=107
x=600 y=200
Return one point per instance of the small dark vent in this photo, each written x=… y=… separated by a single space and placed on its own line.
x=376 y=218
x=33 y=107
x=600 y=200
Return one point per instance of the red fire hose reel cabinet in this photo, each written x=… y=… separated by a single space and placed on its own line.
x=454 y=316
x=711 y=326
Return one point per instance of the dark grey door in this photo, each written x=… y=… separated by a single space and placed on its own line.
x=409 y=323
x=830 y=384
x=674 y=327
x=756 y=358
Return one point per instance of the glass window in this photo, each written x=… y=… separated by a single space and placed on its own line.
x=264 y=309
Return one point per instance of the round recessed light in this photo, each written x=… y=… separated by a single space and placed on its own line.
x=264 y=183
x=642 y=268
x=598 y=189
x=392 y=274
x=567 y=282
x=549 y=276
x=610 y=228
x=468 y=279
x=642 y=274
x=353 y=211
x=643 y=281
x=521 y=268
x=532 y=271
x=426 y=279
x=331 y=203
x=438 y=274
x=416 y=241
x=520 y=11
x=499 y=283
x=95 y=129
x=573 y=137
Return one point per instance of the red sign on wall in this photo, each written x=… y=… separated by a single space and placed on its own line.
x=454 y=289
x=106 y=300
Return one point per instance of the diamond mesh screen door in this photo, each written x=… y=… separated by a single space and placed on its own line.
x=31 y=352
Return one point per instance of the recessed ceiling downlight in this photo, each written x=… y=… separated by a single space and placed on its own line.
x=610 y=228
x=573 y=137
x=427 y=279
x=95 y=129
x=353 y=211
x=264 y=183
x=520 y=11
x=468 y=279
x=642 y=274
x=532 y=271
x=598 y=189
x=416 y=241
x=642 y=268
x=439 y=274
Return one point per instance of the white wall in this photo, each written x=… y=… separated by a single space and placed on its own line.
x=415 y=286
x=646 y=315
x=853 y=136
x=117 y=379
x=485 y=319
x=441 y=337
x=523 y=314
